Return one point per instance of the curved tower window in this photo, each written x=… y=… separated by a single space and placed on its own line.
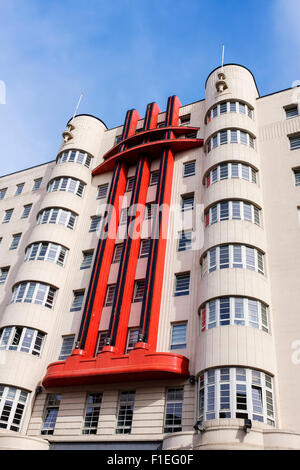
x=232 y=170
x=71 y=185
x=56 y=215
x=232 y=256
x=46 y=251
x=230 y=136
x=231 y=392
x=234 y=311
x=19 y=338
x=75 y=156
x=229 y=107
x=232 y=210
x=12 y=404
x=34 y=292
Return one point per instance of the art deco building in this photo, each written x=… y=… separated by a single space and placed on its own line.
x=149 y=279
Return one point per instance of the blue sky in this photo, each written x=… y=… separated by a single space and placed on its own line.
x=123 y=54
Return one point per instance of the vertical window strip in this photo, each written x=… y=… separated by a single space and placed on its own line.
x=178 y=336
x=132 y=339
x=174 y=410
x=3 y=274
x=125 y=412
x=50 y=413
x=26 y=211
x=92 y=413
x=66 y=347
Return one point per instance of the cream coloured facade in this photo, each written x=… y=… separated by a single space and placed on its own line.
x=228 y=305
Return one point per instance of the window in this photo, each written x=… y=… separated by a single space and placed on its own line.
x=15 y=241
x=19 y=189
x=55 y=215
x=2 y=193
x=95 y=223
x=178 y=336
x=117 y=253
x=295 y=142
x=233 y=136
x=26 y=211
x=291 y=111
x=101 y=341
x=189 y=169
x=297 y=176
x=110 y=295
x=232 y=210
x=75 y=156
x=125 y=412
x=92 y=412
x=12 y=404
x=37 y=184
x=148 y=211
x=182 y=284
x=184 y=120
x=19 y=338
x=123 y=216
x=187 y=202
x=77 y=301
x=185 y=241
x=87 y=259
x=132 y=338
x=71 y=185
x=66 y=347
x=130 y=183
x=173 y=416
x=154 y=177
x=229 y=107
x=7 y=216
x=34 y=292
x=46 y=251
x=231 y=170
x=145 y=248
x=231 y=392
x=234 y=311
x=50 y=413
x=139 y=288
x=3 y=274
x=102 y=191
x=232 y=256
x=118 y=139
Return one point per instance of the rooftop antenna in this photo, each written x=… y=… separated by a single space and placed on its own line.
x=77 y=106
x=223 y=51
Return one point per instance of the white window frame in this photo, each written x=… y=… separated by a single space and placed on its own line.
x=210 y=387
x=3 y=274
x=58 y=216
x=44 y=251
x=210 y=313
x=231 y=136
x=102 y=191
x=67 y=184
x=213 y=260
x=13 y=398
x=87 y=259
x=67 y=347
x=8 y=335
x=126 y=404
x=178 y=328
x=92 y=413
x=39 y=293
x=215 y=212
x=26 y=211
x=173 y=406
x=75 y=156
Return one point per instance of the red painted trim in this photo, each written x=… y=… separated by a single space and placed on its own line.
x=203 y=320
x=152 y=149
x=139 y=365
x=138 y=139
x=130 y=267
x=98 y=300
x=207 y=181
x=160 y=266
